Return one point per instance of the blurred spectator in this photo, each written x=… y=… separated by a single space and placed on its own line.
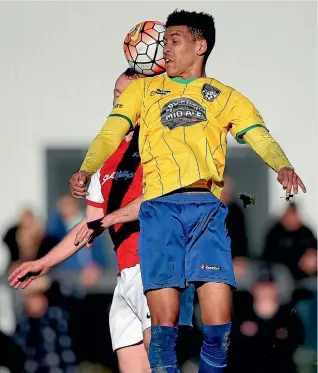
x=291 y=243
x=265 y=334
x=88 y=261
x=27 y=239
x=43 y=331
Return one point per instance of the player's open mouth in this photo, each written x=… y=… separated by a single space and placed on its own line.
x=167 y=60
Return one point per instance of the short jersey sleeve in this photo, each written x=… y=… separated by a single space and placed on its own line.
x=95 y=197
x=128 y=104
x=242 y=116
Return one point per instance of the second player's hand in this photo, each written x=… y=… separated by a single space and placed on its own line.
x=290 y=181
x=106 y=222
x=26 y=273
x=78 y=183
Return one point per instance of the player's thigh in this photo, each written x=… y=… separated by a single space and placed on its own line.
x=135 y=297
x=164 y=305
x=161 y=245
x=209 y=262
x=208 y=254
x=133 y=359
x=125 y=326
x=215 y=301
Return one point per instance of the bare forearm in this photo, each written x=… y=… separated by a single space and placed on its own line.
x=65 y=248
x=105 y=143
x=125 y=214
x=267 y=148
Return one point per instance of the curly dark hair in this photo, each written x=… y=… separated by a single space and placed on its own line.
x=200 y=24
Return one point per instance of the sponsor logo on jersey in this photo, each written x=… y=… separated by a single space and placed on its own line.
x=182 y=112
x=118 y=175
x=159 y=92
x=209 y=92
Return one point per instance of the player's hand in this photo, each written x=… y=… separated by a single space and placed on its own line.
x=78 y=183
x=106 y=222
x=290 y=181
x=88 y=234
x=24 y=274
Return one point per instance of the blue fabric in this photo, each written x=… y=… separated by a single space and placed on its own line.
x=213 y=357
x=183 y=239
x=162 y=349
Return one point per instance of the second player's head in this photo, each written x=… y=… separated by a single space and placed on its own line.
x=124 y=80
x=189 y=40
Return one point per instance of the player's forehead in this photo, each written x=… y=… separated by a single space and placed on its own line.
x=181 y=31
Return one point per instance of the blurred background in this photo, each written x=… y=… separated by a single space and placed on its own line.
x=58 y=65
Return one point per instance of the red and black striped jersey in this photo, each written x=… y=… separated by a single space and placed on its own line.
x=117 y=183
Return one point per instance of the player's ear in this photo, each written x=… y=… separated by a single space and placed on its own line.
x=202 y=47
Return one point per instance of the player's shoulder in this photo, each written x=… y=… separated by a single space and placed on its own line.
x=226 y=89
x=149 y=80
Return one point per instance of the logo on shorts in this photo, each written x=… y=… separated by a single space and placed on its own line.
x=148 y=315
x=212 y=268
x=182 y=112
x=209 y=92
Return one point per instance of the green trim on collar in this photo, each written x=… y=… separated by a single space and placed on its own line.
x=183 y=81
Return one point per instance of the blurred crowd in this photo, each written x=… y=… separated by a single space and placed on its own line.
x=60 y=323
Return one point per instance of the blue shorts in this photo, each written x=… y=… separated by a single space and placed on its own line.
x=183 y=239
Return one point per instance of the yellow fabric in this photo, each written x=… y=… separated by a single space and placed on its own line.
x=105 y=143
x=267 y=148
x=183 y=130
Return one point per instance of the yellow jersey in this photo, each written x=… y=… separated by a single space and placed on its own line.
x=183 y=129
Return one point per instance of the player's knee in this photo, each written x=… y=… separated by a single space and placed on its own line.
x=215 y=347
x=165 y=320
x=164 y=316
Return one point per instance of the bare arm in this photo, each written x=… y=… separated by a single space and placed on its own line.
x=123 y=215
x=64 y=249
x=29 y=271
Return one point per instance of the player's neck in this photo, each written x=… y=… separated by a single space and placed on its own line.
x=195 y=72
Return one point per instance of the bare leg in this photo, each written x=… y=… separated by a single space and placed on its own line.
x=133 y=359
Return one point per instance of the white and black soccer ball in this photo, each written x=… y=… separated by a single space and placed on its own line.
x=143 y=48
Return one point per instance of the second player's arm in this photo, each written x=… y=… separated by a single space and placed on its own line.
x=64 y=249
x=123 y=215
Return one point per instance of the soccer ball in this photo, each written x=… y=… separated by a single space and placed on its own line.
x=143 y=48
